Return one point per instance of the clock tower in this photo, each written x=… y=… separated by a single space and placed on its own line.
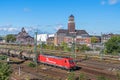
x=71 y=24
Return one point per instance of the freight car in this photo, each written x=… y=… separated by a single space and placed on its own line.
x=62 y=62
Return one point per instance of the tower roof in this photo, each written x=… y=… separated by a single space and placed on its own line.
x=23 y=30
x=71 y=16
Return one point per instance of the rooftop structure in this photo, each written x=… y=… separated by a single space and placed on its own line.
x=24 y=37
x=67 y=35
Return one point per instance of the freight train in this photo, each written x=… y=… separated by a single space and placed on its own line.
x=61 y=62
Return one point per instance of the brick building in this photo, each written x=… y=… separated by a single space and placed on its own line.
x=106 y=37
x=71 y=34
x=50 y=40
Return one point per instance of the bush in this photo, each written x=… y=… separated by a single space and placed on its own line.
x=31 y=64
x=118 y=75
x=84 y=48
x=3 y=57
x=82 y=77
x=71 y=76
x=86 y=57
x=5 y=71
x=112 y=46
x=102 y=78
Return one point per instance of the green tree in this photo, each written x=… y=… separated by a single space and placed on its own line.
x=52 y=47
x=5 y=71
x=64 y=46
x=10 y=38
x=112 y=46
x=94 y=40
x=42 y=45
x=84 y=48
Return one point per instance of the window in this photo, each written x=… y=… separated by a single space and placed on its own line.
x=71 y=61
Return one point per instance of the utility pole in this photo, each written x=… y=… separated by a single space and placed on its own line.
x=74 y=46
x=35 y=48
x=101 y=50
x=40 y=46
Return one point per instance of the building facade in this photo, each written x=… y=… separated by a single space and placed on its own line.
x=24 y=38
x=71 y=35
x=42 y=38
x=50 y=41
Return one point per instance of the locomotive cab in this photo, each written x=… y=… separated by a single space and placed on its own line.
x=70 y=64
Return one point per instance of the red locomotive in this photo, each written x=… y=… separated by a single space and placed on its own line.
x=62 y=62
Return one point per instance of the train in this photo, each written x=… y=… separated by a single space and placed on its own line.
x=56 y=61
x=17 y=44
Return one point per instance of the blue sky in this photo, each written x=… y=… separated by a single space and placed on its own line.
x=47 y=16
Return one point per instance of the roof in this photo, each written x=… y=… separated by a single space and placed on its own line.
x=77 y=32
x=50 y=37
x=58 y=57
x=24 y=36
x=71 y=15
x=62 y=31
x=107 y=35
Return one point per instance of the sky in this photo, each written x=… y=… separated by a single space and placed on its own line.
x=47 y=16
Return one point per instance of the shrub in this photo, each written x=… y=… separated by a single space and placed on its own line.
x=86 y=57
x=102 y=78
x=118 y=75
x=82 y=77
x=71 y=76
x=3 y=57
x=5 y=71
x=31 y=64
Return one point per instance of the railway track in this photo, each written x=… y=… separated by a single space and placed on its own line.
x=56 y=52
x=44 y=73
x=102 y=65
x=90 y=67
x=96 y=71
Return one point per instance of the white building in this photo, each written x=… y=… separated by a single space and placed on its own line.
x=42 y=38
x=51 y=35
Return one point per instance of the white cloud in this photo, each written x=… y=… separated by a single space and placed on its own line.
x=110 y=2
x=12 y=29
x=58 y=27
x=29 y=29
x=9 y=29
